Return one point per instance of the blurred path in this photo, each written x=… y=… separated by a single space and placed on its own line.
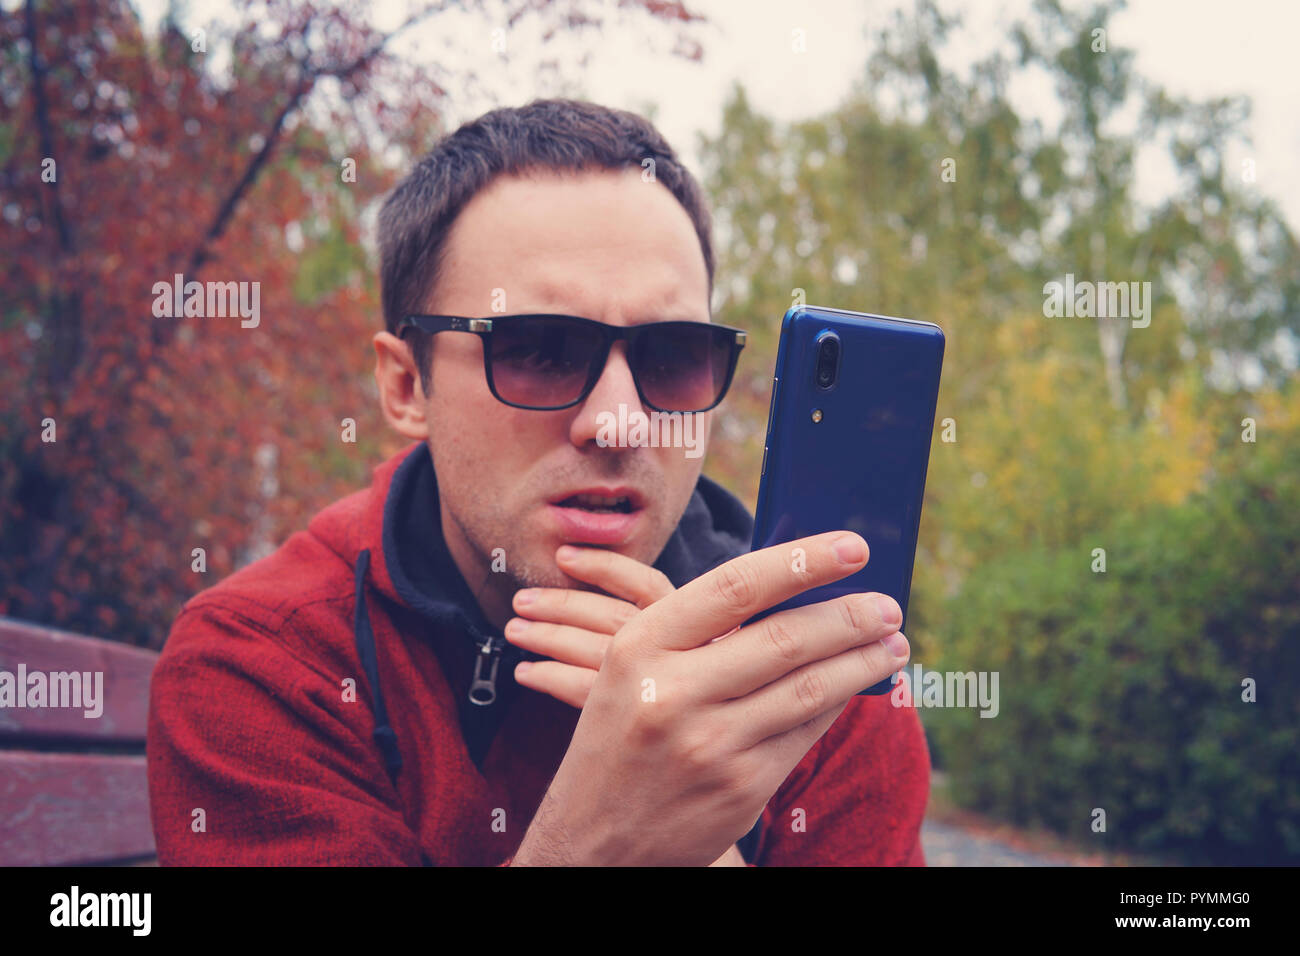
x=947 y=845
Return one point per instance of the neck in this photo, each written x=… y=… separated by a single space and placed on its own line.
x=493 y=592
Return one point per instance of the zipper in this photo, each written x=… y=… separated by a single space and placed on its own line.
x=483 y=689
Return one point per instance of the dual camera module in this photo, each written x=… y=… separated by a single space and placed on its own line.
x=828 y=360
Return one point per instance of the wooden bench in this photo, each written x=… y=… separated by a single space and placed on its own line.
x=73 y=788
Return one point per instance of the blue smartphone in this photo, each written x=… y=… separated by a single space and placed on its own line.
x=848 y=442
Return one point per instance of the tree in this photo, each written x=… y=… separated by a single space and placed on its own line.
x=928 y=195
x=133 y=437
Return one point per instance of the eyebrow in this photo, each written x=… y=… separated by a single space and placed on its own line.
x=640 y=318
x=548 y=292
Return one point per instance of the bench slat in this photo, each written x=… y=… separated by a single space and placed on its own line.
x=72 y=808
x=125 y=687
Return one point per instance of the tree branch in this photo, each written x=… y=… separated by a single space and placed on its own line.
x=66 y=242
x=245 y=182
x=65 y=348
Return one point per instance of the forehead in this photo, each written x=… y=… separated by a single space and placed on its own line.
x=605 y=244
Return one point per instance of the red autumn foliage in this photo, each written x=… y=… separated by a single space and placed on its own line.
x=173 y=434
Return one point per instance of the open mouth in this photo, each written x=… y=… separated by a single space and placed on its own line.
x=601 y=504
x=601 y=515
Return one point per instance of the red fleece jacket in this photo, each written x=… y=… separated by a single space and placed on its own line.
x=259 y=753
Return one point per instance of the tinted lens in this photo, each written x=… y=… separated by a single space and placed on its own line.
x=683 y=366
x=541 y=361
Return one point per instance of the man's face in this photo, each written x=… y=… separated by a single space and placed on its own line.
x=604 y=245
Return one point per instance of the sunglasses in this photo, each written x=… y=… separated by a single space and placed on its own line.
x=549 y=362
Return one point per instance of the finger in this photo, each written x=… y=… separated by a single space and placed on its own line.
x=564 y=682
x=568 y=645
x=615 y=574
x=733 y=592
x=766 y=650
x=585 y=609
x=805 y=694
x=786 y=750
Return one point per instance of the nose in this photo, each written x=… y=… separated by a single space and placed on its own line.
x=614 y=387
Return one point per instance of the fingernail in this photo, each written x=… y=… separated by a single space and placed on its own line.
x=850 y=549
x=566 y=553
x=516 y=626
x=890 y=612
x=525 y=597
x=896 y=644
x=522 y=668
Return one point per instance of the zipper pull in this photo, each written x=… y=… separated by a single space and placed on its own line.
x=483 y=690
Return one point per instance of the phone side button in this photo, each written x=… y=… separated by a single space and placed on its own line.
x=764 y=469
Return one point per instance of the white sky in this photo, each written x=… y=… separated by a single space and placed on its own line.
x=1196 y=48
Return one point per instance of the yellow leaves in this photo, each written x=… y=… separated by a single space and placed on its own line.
x=1047 y=458
x=1176 y=446
x=1019 y=334
x=1279 y=412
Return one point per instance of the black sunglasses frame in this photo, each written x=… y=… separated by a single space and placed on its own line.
x=483 y=328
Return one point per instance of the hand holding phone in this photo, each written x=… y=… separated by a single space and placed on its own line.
x=848 y=443
x=710 y=728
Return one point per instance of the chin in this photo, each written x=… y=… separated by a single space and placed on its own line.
x=537 y=569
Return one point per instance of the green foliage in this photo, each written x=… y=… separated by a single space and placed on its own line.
x=1120 y=690
x=1123 y=690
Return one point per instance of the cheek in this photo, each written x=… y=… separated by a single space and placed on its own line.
x=456 y=373
x=459 y=405
x=482 y=449
x=681 y=466
x=695 y=443
x=462 y=411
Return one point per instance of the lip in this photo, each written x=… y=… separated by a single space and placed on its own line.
x=604 y=491
x=579 y=526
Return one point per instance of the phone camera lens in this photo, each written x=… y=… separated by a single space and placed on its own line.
x=828 y=360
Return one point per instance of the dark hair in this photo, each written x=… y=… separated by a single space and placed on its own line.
x=556 y=134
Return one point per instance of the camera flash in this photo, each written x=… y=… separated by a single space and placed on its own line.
x=816 y=415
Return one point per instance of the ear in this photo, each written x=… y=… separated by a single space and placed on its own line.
x=401 y=397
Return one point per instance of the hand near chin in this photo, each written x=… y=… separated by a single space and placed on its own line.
x=574 y=628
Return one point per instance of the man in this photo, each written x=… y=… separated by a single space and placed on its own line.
x=510 y=648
